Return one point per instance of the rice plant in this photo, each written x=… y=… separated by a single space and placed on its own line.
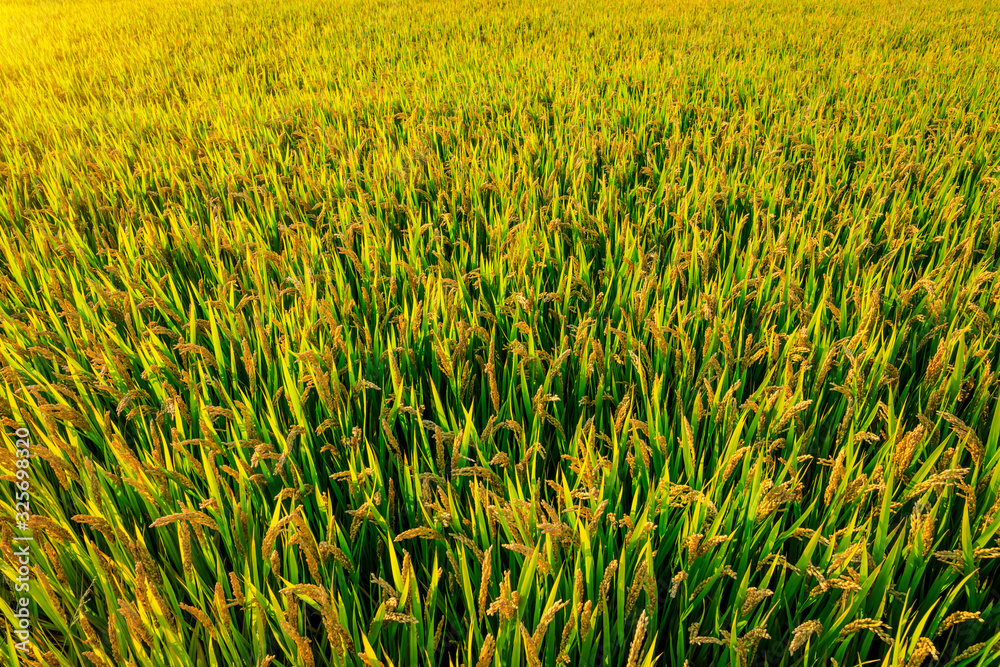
x=488 y=333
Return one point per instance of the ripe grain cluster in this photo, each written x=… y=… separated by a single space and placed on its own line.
x=366 y=332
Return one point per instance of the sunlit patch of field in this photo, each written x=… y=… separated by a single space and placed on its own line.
x=495 y=333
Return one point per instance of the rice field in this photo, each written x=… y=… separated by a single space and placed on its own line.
x=492 y=333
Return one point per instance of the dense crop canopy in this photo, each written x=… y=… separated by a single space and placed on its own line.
x=493 y=333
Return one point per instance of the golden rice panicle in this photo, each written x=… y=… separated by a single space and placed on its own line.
x=491 y=375
x=291 y=611
x=876 y=626
x=638 y=639
x=936 y=364
x=754 y=596
x=507 y=604
x=338 y=637
x=835 y=476
x=201 y=616
x=633 y=592
x=969 y=652
x=531 y=649
x=925 y=649
x=696 y=639
x=234 y=583
x=676 y=581
x=746 y=645
x=860 y=624
x=484 y=583
x=423 y=532
x=221 y=608
x=46 y=585
x=275 y=563
x=307 y=545
x=609 y=572
x=567 y=632
x=301 y=643
x=547 y=616
x=113 y=633
x=651 y=588
x=486 y=654
x=902 y=453
x=928 y=534
x=733 y=462
x=93 y=641
x=56 y=565
x=956 y=618
x=272 y=534
x=188 y=564
x=578 y=588
x=966 y=435
x=96 y=659
x=140 y=585
x=691 y=543
x=406 y=569
x=135 y=623
x=802 y=633
x=397 y=617
x=439 y=632
x=342 y=558
x=586 y=617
